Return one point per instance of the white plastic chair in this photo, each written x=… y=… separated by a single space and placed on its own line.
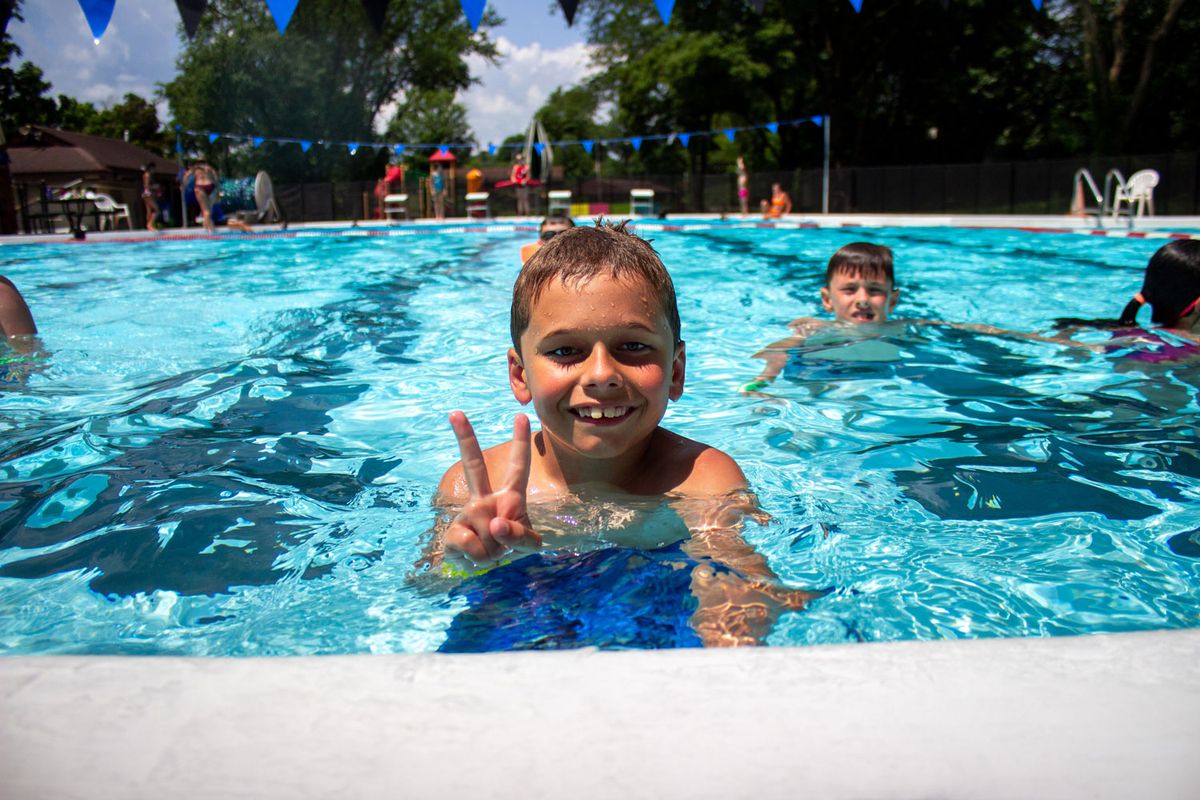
x=1137 y=191
x=395 y=205
x=558 y=201
x=478 y=204
x=641 y=201
x=112 y=212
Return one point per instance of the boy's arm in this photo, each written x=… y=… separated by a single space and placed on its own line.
x=776 y=355
x=738 y=597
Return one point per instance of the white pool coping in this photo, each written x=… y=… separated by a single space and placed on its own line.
x=1092 y=716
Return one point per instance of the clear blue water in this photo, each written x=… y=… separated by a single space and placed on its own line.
x=231 y=446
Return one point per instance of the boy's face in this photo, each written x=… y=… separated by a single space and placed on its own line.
x=599 y=363
x=854 y=297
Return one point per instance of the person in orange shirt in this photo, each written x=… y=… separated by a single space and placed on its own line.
x=781 y=203
x=551 y=225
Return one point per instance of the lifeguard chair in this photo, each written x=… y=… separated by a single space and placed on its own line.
x=395 y=206
x=558 y=201
x=479 y=204
x=641 y=201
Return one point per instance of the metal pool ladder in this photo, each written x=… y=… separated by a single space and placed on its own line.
x=1114 y=181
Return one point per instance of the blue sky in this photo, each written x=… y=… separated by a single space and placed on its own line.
x=140 y=46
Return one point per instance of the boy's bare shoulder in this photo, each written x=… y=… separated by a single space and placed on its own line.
x=679 y=465
x=453 y=489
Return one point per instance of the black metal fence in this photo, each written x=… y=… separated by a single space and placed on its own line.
x=1000 y=187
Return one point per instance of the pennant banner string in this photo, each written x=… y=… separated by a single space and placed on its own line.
x=443 y=149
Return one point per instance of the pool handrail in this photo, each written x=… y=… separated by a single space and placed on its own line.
x=1083 y=176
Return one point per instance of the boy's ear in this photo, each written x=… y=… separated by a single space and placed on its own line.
x=678 y=365
x=826 y=302
x=895 y=299
x=516 y=378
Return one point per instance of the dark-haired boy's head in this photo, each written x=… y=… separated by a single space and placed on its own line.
x=553 y=225
x=578 y=255
x=860 y=285
x=862 y=259
x=1172 y=281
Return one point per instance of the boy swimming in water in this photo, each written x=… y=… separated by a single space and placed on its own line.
x=597 y=350
x=860 y=288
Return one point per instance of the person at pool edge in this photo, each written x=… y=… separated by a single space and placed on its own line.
x=779 y=205
x=860 y=288
x=550 y=227
x=597 y=350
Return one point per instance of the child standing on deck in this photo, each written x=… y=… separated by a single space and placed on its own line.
x=597 y=350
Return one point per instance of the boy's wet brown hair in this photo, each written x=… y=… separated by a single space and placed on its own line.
x=577 y=255
x=863 y=259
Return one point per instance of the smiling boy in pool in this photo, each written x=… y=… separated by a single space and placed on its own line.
x=597 y=351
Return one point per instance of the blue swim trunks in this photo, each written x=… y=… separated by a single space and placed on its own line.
x=613 y=598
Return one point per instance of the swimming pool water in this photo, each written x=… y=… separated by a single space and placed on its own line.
x=230 y=446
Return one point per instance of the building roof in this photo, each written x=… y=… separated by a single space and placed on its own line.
x=38 y=151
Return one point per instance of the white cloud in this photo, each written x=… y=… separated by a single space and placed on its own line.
x=137 y=51
x=509 y=93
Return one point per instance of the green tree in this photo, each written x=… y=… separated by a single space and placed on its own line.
x=430 y=116
x=24 y=97
x=133 y=115
x=326 y=78
x=1129 y=52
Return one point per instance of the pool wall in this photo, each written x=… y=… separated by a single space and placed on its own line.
x=1090 y=716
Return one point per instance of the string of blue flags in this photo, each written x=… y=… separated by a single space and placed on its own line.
x=99 y=12
x=683 y=138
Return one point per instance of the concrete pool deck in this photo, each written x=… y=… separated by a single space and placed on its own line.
x=1097 y=716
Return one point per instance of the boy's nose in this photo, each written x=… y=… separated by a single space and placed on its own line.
x=601 y=368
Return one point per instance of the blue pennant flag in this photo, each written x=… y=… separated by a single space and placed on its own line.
x=1037 y=4
x=538 y=146
x=587 y=145
x=773 y=127
x=636 y=141
x=857 y=5
x=352 y=147
x=491 y=149
x=729 y=133
x=281 y=11
x=398 y=149
x=817 y=120
x=443 y=151
x=665 y=7
x=212 y=137
x=474 y=11
x=304 y=145
x=258 y=140
x=683 y=138
x=98 y=14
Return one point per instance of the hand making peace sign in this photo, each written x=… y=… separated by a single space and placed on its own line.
x=492 y=522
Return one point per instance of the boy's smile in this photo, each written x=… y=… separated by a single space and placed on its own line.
x=854 y=298
x=599 y=362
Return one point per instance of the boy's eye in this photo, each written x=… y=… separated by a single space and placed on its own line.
x=562 y=352
x=635 y=347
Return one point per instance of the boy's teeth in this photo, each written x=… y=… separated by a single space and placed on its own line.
x=602 y=413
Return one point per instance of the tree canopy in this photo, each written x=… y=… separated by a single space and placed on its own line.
x=326 y=78
x=902 y=81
